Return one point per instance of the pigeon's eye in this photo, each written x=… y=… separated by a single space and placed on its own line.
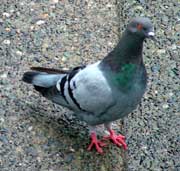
x=139 y=27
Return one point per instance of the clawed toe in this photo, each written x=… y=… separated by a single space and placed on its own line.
x=119 y=140
x=96 y=143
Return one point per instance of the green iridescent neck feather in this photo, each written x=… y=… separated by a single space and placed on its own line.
x=125 y=76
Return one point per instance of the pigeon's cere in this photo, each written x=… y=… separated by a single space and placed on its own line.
x=102 y=92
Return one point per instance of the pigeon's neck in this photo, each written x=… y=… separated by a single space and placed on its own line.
x=128 y=51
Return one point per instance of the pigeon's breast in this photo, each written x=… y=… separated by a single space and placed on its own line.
x=125 y=102
x=127 y=98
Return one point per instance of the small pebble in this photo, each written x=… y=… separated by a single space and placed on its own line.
x=19 y=150
x=173 y=47
x=67 y=54
x=1 y=120
x=165 y=106
x=6 y=42
x=21 y=3
x=54 y=1
x=64 y=59
x=19 y=53
x=156 y=92
x=8 y=29
x=6 y=14
x=161 y=51
x=144 y=147
x=4 y=75
x=1 y=21
x=171 y=94
x=40 y=22
x=140 y=8
x=30 y=128
x=44 y=16
x=72 y=149
x=32 y=27
x=39 y=159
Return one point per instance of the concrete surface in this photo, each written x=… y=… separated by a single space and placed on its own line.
x=40 y=136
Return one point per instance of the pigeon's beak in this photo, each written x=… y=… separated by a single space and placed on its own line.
x=151 y=35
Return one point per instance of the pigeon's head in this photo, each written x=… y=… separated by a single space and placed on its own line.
x=141 y=27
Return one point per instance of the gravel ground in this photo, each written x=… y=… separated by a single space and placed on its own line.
x=40 y=136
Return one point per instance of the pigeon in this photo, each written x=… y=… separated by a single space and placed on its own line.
x=102 y=92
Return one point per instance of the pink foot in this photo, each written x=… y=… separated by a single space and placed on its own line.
x=119 y=140
x=95 y=142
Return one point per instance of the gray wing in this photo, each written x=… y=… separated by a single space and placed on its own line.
x=89 y=90
x=83 y=89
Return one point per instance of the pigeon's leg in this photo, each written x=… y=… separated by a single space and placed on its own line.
x=119 y=140
x=94 y=141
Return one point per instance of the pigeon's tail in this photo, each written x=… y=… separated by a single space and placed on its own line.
x=41 y=79
x=45 y=83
